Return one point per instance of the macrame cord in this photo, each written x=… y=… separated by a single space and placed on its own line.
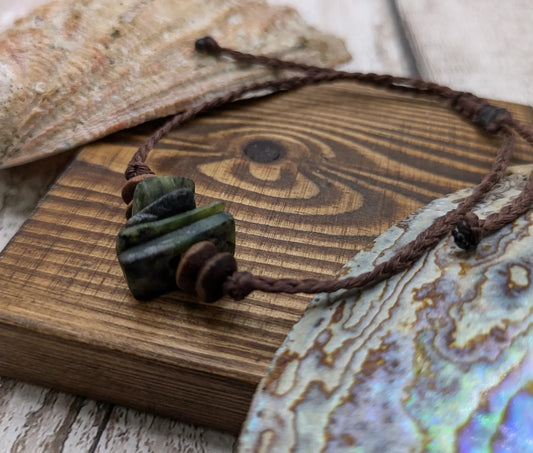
x=466 y=228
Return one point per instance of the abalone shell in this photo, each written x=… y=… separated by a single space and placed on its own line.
x=437 y=358
x=72 y=71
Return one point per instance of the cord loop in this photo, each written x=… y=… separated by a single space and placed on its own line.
x=467 y=229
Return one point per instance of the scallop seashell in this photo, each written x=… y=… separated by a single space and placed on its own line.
x=437 y=358
x=74 y=71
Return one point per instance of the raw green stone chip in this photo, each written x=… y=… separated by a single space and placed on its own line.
x=150 y=267
x=144 y=232
x=150 y=189
x=169 y=204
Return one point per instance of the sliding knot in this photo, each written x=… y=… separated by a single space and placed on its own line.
x=207 y=45
x=492 y=118
x=137 y=168
x=467 y=105
x=480 y=112
x=239 y=285
x=467 y=232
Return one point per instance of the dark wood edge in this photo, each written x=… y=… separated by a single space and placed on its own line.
x=120 y=378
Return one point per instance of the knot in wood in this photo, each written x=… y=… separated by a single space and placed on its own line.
x=263 y=150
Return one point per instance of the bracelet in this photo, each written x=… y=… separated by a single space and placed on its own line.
x=169 y=243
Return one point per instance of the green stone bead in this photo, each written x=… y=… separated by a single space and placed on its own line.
x=144 y=232
x=150 y=267
x=150 y=189
x=169 y=204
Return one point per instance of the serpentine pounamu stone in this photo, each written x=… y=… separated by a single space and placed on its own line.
x=150 y=267
x=438 y=358
x=175 y=202
x=143 y=232
x=151 y=189
x=129 y=187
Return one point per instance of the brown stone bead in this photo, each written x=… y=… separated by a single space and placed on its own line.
x=191 y=262
x=213 y=274
x=129 y=188
x=129 y=210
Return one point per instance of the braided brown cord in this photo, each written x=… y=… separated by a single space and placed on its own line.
x=468 y=105
x=138 y=160
x=525 y=131
x=137 y=165
x=492 y=119
x=240 y=284
x=209 y=46
x=508 y=213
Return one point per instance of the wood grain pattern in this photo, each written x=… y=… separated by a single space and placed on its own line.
x=339 y=16
x=355 y=161
x=24 y=186
x=132 y=431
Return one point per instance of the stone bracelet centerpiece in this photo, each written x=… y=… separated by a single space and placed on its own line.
x=164 y=224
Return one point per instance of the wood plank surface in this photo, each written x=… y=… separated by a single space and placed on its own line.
x=354 y=161
x=56 y=421
x=132 y=431
x=21 y=188
x=483 y=46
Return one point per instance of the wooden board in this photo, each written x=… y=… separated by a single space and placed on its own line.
x=34 y=418
x=354 y=161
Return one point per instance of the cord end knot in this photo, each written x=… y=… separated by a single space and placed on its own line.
x=207 y=45
x=467 y=232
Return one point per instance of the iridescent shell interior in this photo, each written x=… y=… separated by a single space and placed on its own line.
x=438 y=358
